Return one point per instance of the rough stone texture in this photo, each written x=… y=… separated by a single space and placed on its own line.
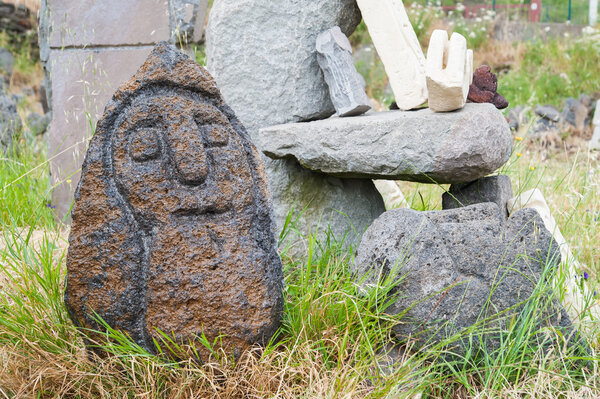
x=484 y=88
x=7 y=62
x=485 y=79
x=263 y=57
x=346 y=85
x=10 y=121
x=399 y=48
x=575 y=114
x=496 y=189
x=172 y=227
x=421 y=146
x=263 y=51
x=548 y=112
x=458 y=267
x=82 y=84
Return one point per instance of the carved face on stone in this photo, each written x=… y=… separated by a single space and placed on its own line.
x=172 y=228
x=177 y=158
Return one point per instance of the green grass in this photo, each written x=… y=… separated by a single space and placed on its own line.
x=330 y=344
x=550 y=73
x=24 y=185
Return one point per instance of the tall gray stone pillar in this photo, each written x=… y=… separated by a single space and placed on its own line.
x=88 y=49
x=262 y=54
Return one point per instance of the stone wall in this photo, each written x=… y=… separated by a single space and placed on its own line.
x=88 y=49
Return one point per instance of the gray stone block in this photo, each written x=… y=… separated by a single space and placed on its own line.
x=263 y=57
x=262 y=54
x=548 y=112
x=496 y=189
x=422 y=146
x=79 y=23
x=346 y=85
x=458 y=267
x=82 y=83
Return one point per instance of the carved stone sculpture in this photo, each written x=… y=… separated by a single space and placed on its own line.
x=449 y=71
x=399 y=49
x=172 y=228
x=346 y=85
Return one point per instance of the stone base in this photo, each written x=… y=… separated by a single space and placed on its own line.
x=496 y=189
x=320 y=203
x=421 y=146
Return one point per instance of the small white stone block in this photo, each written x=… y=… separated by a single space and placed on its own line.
x=595 y=141
x=596 y=121
x=449 y=71
x=399 y=49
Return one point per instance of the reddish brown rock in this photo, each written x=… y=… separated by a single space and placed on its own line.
x=172 y=226
x=484 y=88
x=485 y=79
x=477 y=95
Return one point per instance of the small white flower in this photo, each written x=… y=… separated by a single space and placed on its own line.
x=478 y=19
x=472 y=34
x=547 y=29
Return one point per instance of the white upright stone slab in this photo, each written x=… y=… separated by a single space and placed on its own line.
x=397 y=45
x=449 y=71
x=595 y=142
x=580 y=303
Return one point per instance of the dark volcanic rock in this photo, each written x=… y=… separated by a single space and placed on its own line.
x=496 y=189
x=484 y=88
x=172 y=228
x=485 y=79
x=459 y=267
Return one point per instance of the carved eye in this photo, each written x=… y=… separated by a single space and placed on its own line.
x=144 y=145
x=217 y=135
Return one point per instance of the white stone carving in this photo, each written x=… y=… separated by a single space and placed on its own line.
x=399 y=49
x=449 y=71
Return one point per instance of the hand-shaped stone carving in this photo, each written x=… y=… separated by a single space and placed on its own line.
x=449 y=71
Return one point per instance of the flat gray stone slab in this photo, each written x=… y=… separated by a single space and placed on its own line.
x=421 y=146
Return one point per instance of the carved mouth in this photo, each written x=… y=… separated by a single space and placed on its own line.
x=200 y=211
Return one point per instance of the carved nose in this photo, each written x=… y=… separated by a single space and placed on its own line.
x=189 y=155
